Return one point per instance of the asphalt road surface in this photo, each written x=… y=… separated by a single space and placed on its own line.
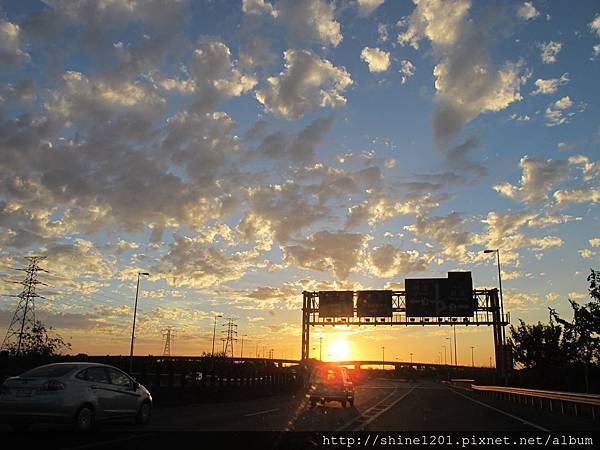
x=380 y=405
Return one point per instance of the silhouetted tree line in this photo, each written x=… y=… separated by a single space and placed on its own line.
x=38 y=340
x=562 y=353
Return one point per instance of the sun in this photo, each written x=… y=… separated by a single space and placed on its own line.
x=338 y=350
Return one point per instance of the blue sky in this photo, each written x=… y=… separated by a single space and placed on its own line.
x=242 y=152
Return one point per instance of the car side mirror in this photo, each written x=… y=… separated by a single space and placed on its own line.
x=135 y=385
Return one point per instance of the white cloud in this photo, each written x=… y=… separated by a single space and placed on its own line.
x=258 y=7
x=596 y=49
x=307 y=83
x=587 y=194
x=366 y=7
x=527 y=11
x=212 y=68
x=377 y=60
x=382 y=33
x=595 y=242
x=595 y=25
x=549 y=51
x=388 y=261
x=539 y=177
x=560 y=112
x=407 y=69
x=312 y=20
x=550 y=86
x=11 y=52
x=591 y=170
x=466 y=83
x=326 y=251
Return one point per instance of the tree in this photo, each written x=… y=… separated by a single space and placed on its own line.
x=537 y=347
x=582 y=333
x=39 y=341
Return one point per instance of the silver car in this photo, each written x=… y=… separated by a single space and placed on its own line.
x=77 y=393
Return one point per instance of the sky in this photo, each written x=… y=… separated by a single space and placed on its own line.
x=244 y=151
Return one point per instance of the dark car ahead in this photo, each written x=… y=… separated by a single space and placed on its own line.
x=77 y=393
x=331 y=383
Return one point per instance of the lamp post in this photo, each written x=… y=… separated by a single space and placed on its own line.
x=472 y=358
x=411 y=355
x=450 y=339
x=242 y=351
x=137 y=290
x=382 y=357
x=214 y=332
x=320 y=348
x=497 y=252
x=445 y=355
x=455 y=354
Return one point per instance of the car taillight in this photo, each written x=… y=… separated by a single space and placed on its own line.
x=54 y=385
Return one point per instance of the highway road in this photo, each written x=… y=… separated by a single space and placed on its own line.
x=381 y=404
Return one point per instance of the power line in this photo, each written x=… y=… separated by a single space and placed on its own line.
x=23 y=320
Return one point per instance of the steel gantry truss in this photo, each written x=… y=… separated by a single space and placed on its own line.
x=487 y=311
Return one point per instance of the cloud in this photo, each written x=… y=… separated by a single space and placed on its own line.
x=388 y=261
x=457 y=158
x=377 y=60
x=595 y=25
x=215 y=74
x=307 y=84
x=192 y=263
x=446 y=231
x=258 y=7
x=527 y=11
x=466 y=83
x=299 y=147
x=585 y=194
x=11 y=52
x=550 y=86
x=325 y=251
x=382 y=33
x=591 y=170
x=560 y=112
x=539 y=177
x=311 y=20
x=366 y=7
x=407 y=69
x=549 y=51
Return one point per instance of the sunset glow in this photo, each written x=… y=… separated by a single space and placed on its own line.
x=338 y=349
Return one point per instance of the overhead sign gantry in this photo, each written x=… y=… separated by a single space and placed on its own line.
x=450 y=301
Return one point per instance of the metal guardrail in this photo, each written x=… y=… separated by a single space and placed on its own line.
x=539 y=398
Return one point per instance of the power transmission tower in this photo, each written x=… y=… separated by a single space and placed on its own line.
x=23 y=319
x=231 y=333
x=168 y=335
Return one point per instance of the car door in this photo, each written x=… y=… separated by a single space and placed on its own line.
x=127 y=392
x=101 y=389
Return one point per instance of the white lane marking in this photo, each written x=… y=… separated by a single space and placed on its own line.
x=526 y=422
x=267 y=411
x=374 y=411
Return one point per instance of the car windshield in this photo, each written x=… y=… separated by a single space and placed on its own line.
x=54 y=370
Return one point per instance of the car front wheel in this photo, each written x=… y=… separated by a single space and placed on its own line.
x=143 y=415
x=84 y=419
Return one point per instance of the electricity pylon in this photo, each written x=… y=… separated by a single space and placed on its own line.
x=231 y=333
x=23 y=319
x=168 y=336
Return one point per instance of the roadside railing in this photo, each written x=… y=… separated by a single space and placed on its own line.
x=578 y=403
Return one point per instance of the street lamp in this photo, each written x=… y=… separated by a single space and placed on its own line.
x=411 y=355
x=242 y=352
x=445 y=355
x=383 y=357
x=450 y=339
x=472 y=358
x=497 y=252
x=214 y=331
x=137 y=290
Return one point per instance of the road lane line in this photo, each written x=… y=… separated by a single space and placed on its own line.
x=526 y=422
x=267 y=411
x=374 y=411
